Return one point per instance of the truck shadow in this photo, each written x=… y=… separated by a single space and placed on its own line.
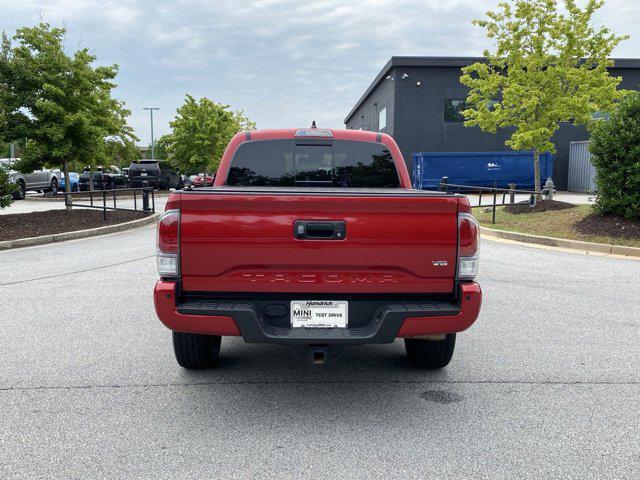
x=296 y=363
x=356 y=383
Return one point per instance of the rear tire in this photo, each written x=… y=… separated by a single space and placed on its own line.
x=21 y=191
x=195 y=351
x=429 y=353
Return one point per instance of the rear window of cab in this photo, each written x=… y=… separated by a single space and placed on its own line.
x=296 y=163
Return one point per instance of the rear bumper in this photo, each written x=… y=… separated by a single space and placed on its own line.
x=245 y=318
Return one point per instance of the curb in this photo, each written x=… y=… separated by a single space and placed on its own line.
x=92 y=232
x=601 y=248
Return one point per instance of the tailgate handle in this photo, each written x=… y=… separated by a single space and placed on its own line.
x=320 y=230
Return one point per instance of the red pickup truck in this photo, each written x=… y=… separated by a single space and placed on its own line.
x=315 y=237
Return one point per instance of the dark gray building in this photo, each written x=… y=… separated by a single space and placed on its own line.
x=418 y=101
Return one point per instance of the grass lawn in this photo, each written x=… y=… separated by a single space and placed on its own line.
x=555 y=223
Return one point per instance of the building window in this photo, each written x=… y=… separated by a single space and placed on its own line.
x=453 y=110
x=382 y=118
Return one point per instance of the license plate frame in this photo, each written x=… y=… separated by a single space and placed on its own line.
x=319 y=314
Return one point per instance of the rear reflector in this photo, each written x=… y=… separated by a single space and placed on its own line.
x=167 y=244
x=468 y=246
x=314 y=132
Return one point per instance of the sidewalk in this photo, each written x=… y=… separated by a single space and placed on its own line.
x=569 y=197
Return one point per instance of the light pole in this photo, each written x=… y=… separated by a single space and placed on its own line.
x=153 y=152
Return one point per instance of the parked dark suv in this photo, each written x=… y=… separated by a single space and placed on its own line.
x=156 y=174
x=104 y=178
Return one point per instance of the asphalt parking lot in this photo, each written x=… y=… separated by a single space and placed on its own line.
x=545 y=385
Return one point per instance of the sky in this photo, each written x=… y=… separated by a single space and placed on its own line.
x=284 y=62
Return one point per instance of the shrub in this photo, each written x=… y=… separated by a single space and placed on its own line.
x=6 y=188
x=615 y=149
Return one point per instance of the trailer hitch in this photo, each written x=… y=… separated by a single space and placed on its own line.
x=319 y=354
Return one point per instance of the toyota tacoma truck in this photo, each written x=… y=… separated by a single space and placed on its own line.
x=315 y=237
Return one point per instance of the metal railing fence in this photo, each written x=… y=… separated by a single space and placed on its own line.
x=499 y=196
x=106 y=200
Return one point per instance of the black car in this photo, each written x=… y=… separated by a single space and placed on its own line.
x=154 y=174
x=104 y=178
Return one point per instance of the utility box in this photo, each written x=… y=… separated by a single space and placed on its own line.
x=482 y=169
x=582 y=173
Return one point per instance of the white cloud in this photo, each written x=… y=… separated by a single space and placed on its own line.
x=285 y=62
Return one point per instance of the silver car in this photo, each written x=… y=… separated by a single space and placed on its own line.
x=42 y=180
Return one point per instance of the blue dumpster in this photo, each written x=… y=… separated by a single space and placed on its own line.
x=481 y=169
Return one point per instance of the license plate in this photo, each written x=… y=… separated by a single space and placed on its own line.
x=143 y=174
x=319 y=314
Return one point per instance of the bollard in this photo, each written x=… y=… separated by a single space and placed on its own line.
x=145 y=200
x=548 y=189
x=512 y=193
x=443 y=184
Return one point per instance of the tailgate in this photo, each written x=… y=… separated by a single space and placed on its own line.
x=242 y=240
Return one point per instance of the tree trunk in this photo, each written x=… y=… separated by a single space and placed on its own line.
x=536 y=173
x=68 y=200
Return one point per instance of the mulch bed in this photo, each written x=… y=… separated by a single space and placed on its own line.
x=541 y=206
x=35 y=224
x=608 y=226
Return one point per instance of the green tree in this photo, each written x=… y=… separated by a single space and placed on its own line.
x=121 y=151
x=162 y=148
x=548 y=67
x=61 y=103
x=200 y=133
x=615 y=149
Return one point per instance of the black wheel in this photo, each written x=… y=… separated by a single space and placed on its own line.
x=54 y=185
x=21 y=191
x=430 y=353
x=74 y=187
x=194 y=351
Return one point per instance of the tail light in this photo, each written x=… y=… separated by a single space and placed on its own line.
x=468 y=246
x=167 y=243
